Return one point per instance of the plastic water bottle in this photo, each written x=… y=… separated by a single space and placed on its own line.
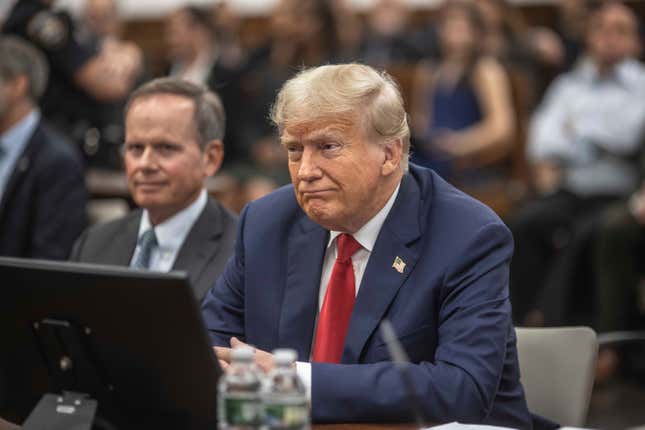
x=284 y=396
x=239 y=402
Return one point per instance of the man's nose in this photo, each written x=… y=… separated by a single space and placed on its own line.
x=309 y=169
x=148 y=159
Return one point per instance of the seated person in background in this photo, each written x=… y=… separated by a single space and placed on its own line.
x=42 y=187
x=619 y=245
x=387 y=37
x=361 y=237
x=191 y=45
x=85 y=73
x=101 y=24
x=582 y=144
x=302 y=32
x=463 y=117
x=173 y=141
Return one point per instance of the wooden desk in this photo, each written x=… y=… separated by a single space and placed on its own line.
x=4 y=425
x=392 y=426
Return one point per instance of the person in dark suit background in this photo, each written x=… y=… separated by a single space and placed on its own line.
x=361 y=237
x=42 y=187
x=174 y=132
x=88 y=75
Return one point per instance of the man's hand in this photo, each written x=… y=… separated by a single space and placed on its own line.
x=547 y=177
x=263 y=359
x=637 y=205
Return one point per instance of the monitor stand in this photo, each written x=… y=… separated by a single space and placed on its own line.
x=73 y=368
x=62 y=412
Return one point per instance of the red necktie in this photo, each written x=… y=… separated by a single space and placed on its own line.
x=336 y=311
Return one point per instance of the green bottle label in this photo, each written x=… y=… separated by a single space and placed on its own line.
x=242 y=411
x=286 y=415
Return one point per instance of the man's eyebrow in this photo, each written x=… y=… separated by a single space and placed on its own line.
x=327 y=133
x=288 y=141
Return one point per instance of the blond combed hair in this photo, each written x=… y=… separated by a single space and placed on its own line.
x=341 y=91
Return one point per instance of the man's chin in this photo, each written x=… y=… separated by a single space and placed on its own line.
x=323 y=218
x=148 y=201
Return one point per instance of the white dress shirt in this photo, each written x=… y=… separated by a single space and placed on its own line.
x=170 y=234
x=198 y=71
x=366 y=236
x=592 y=124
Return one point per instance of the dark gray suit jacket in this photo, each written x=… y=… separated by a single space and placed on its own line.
x=203 y=254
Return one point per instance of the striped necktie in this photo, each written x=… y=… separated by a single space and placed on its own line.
x=147 y=243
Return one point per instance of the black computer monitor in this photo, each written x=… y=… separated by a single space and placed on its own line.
x=132 y=340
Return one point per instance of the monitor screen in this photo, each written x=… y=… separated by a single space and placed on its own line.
x=133 y=340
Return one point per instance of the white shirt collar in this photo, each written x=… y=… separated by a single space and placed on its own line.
x=625 y=72
x=20 y=132
x=368 y=234
x=172 y=232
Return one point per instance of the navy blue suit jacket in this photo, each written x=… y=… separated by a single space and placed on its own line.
x=449 y=307
x=42 y=210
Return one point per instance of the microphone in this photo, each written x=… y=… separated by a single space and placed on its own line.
x=402 y=363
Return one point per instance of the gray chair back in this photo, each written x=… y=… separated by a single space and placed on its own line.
x=557 y=367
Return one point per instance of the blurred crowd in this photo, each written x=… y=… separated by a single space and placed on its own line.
x=543 y=123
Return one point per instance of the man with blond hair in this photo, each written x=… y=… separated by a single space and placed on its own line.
x=361 y=237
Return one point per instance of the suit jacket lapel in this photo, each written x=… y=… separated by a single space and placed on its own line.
x=381 y=280
x=23 y=163
x=125 y=241
x=197 y=250
x=306 y=250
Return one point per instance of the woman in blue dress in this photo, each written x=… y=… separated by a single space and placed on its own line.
x=463 y=116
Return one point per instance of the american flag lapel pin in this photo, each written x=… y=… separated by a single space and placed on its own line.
x=398 y=265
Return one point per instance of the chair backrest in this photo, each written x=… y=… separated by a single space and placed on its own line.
x=557 y=367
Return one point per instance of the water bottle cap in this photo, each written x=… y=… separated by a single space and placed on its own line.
x=242 y=353
x=284 y=356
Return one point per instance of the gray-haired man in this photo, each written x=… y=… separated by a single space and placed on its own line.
x=42 y=189
x=173 y=141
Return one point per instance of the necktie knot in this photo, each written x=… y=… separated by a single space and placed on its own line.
x=147 y=242
x=347 y=247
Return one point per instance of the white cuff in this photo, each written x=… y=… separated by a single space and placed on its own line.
x=304 y=372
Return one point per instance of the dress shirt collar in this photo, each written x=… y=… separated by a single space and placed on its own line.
x=172 y=232
x=623 y=73
x=13 y=143
x=368 y=234
x=18 y=135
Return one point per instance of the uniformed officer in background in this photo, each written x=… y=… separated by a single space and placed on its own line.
x=86 y=74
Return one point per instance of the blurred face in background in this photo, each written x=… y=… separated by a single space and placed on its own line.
x=185 y=37
x=295 y=20
x=491 y=12
x=179 y=35
x=457 y=33
x=102 y=17
x=389 y=17
x=612 y=35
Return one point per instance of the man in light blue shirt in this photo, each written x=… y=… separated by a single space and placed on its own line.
x=583 y=143
x=42 y=188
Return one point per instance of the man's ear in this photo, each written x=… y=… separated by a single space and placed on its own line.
x=213 y=155
x=18 y=87
x=393 y=150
